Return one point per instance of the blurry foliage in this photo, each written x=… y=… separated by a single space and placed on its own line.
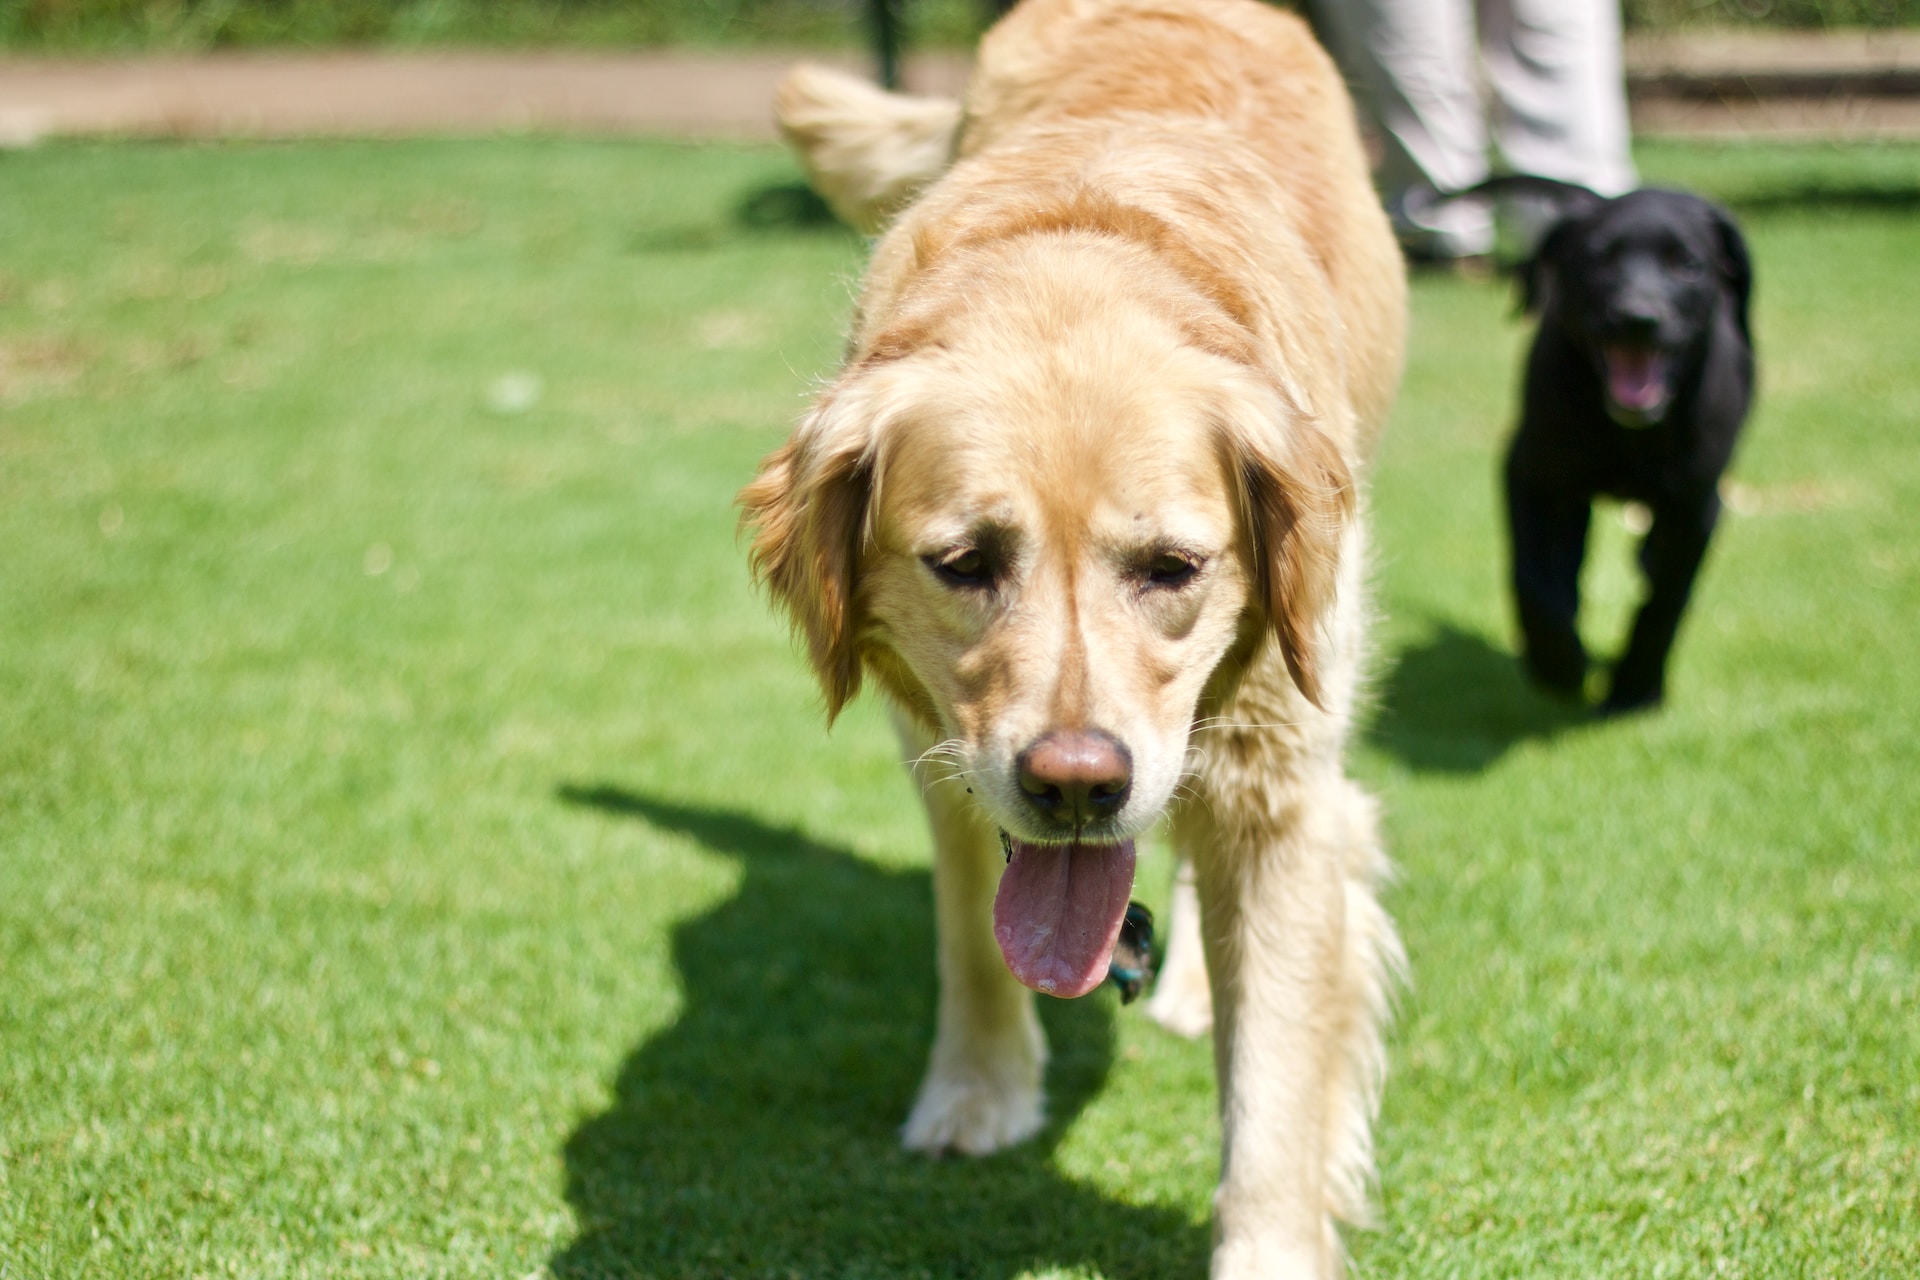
x=108 y=25
x=1668 y=15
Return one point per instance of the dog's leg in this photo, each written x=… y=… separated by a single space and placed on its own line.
x=1547 y=530
x=1181 y=1001
x=1302 y=958
x=982 y=1091
x=1670 y=557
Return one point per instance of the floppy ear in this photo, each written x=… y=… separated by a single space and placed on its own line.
x=1736 y=267
x=1296 y=495
x=1536 y=275
x=807 y=508
x=1562 y=202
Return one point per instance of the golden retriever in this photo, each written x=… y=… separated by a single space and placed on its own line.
x=1083 y=503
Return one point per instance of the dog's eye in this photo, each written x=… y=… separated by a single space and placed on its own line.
x=965 y=567
x=1171 y=569
x=1685 y=266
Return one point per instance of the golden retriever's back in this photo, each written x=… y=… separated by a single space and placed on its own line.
x=1252 y=122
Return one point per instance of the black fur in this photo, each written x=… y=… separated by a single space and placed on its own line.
x=1637 y=295
x=1131 y=968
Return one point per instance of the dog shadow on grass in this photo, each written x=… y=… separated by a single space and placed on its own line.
x=757 y=1134
x=772 y=209
x=1453 y=703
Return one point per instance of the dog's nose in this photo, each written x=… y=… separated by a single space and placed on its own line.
x=1075 y=776
x=1638 y=319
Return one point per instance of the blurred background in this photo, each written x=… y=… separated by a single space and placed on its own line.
x=1776 y=68
x=130 y=25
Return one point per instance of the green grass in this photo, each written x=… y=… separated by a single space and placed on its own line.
x=420 y=853
x=1671 y=15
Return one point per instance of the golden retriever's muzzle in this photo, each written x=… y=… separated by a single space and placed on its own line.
x=1064 y=894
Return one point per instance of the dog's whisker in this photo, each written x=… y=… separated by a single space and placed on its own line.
x=926 y=788
x=943 y=762
x=1212 y=723
x=952 y=749
x=1193 y=763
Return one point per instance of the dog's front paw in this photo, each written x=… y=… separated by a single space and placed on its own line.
x=1630 y=701
x=974 y=1112
x=1234 y=1260
x=972 y=1115
x=1551 y=653
x=1183 y=1003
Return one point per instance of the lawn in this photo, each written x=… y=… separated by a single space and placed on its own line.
x=421 y=853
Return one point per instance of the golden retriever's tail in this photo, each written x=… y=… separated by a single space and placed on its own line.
x=868 y=152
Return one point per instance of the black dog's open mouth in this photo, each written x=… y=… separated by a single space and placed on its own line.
x=1059 y=912
x=1638 y=387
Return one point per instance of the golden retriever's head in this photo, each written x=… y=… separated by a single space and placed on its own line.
x=1049 y=515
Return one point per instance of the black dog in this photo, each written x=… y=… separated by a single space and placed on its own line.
x=1637 y=386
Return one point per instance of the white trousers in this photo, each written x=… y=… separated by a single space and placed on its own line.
x=1558 y=97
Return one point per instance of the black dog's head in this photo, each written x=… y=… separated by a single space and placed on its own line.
x=1639 y=281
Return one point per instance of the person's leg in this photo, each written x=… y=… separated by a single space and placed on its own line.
x=1559 y=90
x=1413 y=67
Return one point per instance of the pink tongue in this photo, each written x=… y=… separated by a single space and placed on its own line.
x=1059 y=910
x=1636 y=378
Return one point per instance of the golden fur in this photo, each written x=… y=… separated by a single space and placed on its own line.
x=1151 y=314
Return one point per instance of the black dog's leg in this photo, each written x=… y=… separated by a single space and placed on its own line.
x=1548 y=530
x=1670 y=557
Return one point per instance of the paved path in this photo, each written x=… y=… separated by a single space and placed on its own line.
x=1769 y=84
x=377 y=94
